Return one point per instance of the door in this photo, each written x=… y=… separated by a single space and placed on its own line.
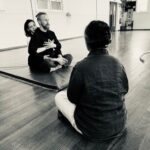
x=113 y=16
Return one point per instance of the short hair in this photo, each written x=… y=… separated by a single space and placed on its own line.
x=27 y=32
x=97 y=34
x=40 y=14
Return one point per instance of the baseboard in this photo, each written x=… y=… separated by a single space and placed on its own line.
x=141 y=29
x=24 y=46
x=134 y=30
x=12 y=48
x=71 y=38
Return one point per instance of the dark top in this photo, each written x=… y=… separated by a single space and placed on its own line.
x=38 y=40
x=97 y=86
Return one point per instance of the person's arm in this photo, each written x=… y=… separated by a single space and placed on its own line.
x=41 y=49
x=33 y=47
x=75 y=87
x=58 y=45
x=125 y=81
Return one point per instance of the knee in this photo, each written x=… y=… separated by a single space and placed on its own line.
x=69 y=57
x=59 y=97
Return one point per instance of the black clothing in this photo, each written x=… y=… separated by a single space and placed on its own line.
x=35 y=59
x=38 y=40
x=42 y=66
x=97 y=86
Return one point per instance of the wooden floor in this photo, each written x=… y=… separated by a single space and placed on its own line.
x=57 y=79
x=28 y=116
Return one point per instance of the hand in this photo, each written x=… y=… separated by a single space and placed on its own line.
x=49 y=44
x=49 y=61
x=62 y=61
x=47 y=58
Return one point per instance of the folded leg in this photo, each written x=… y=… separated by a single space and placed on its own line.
x=69 y=57
x=66 y=108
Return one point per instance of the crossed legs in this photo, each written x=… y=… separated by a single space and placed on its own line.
x=37 y=64
x=66 y=108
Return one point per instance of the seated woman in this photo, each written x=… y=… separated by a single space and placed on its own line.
x=40 y=62
x=94 y=101
x=29 y=27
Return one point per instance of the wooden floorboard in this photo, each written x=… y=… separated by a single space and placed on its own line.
x=28 y=116
x=30 y=122
x=56 y=80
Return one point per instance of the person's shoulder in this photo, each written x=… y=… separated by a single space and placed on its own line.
x=115 y=60
x=36 y=33
x=80 y=65
x=51 y=32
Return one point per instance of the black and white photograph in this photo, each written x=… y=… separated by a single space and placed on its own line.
x=74 y=75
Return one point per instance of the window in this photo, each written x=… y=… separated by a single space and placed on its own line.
x=42 y=4
x=142 y=5
x=56 y=5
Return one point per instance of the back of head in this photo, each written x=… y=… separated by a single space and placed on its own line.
x=38 y=16
x=97 y=35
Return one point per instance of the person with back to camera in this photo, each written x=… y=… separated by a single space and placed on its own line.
x=94 y=102
x=51 y=56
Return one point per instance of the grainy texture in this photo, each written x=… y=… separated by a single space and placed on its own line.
x=56 y=80
x=28 y=116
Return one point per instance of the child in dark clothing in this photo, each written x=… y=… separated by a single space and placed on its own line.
x=94 y=101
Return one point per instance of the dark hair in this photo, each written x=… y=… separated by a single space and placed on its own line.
x=40 y=14
x=97 y=35
x=27 y=32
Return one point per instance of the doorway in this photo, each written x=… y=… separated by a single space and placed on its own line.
x=113 y=16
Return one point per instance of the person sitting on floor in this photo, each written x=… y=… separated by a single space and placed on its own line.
x=43 y=59
x=94 y=100
x=29 y=27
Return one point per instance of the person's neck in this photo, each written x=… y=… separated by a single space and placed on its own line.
x=43 y=30
x=102 y=50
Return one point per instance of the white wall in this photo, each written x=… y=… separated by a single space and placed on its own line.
x=142 y=19
x=13 y=14
x=82 y=11
x=103 y=8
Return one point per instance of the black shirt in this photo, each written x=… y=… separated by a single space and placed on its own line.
x=97 y=86
x=38 y=40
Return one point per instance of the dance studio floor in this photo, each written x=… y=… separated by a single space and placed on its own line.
x=28 y=116
x=15 y=64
